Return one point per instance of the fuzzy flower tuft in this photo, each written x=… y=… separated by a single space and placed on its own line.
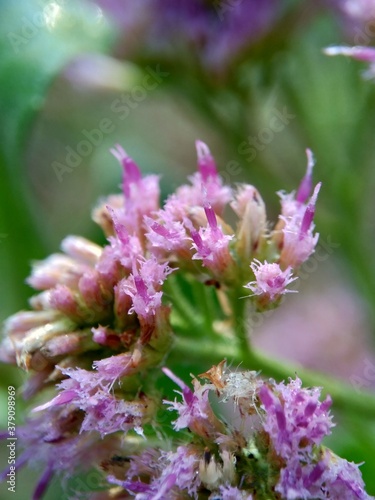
x=295 y=418
x=212 y=245
x=294 y=232
x=270 y=281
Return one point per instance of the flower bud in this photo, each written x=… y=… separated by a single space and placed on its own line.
x=251 y=230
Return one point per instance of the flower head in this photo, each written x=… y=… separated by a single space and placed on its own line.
x=103 y=412
x=330 y=477
x=212 y=245
x=141 y=195
x=143 y=285
x=206 y=187
x=250 y=208
x=295 y=418
x=270 y=281
x=296 y=225
x=51 y=440
x=103 y=323
x=195 y=411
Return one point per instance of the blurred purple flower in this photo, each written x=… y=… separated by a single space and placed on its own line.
x=213 y=33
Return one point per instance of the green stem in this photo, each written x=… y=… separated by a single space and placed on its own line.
x=344 y=397
x=186 y=311
x=240 y=327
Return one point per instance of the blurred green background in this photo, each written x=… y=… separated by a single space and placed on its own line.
x=61 y=75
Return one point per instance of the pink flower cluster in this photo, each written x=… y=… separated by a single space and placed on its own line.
x=263 y=441
x=112 y=296
x=101 y=322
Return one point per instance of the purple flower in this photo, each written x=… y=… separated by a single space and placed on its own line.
x=292 y=203
x=103 y=412
x=298 y=241
x=169 y=473
x=212 y=245
x=181 y=470
x=57 y=269
x=141 y=195
x=212 y=34
x=206 y=187
x=167 y=236
x=81 y=249
x=172 y=228
x=147 y=464
x=342 y=478
x=101 y=324
x=270 y=281
x=52 y=440
x=295 y=418
x=143 y=285
x=129 y=363
x=123 y=250
x=329 y=477
x=228 y=492
x=195 y=411
x=269 y=441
